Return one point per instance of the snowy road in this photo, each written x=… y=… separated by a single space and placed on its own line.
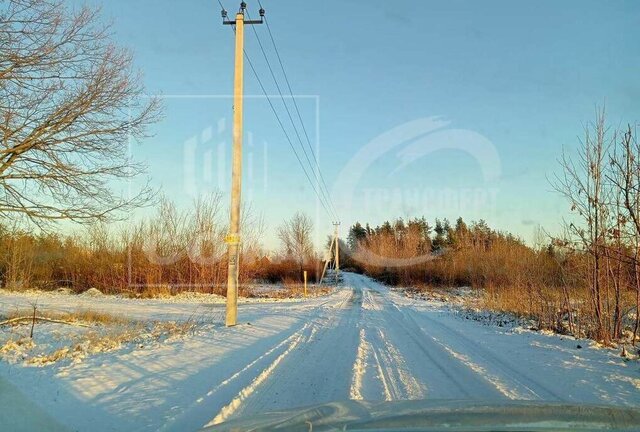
x=362 y=342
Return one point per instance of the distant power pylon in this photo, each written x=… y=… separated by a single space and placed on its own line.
x=233 y=238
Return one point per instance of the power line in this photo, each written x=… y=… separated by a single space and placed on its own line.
x=322 y=196
x=318 y=174
x=255 y=73
x=295 y=104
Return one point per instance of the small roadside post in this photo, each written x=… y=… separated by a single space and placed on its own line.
x=305 y=282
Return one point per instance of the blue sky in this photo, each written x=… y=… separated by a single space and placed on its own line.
x=522 y=76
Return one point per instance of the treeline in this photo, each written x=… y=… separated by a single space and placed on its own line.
x=172 y=251
x=414 y=252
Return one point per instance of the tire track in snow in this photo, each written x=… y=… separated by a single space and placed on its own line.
x=405 y=386
x=412 y=333
x=385 y=378
x=479 y=371
x=369 y=301
x=371 y=378
x=367 y=350
x=510 y=382
x=485 y=365
x=256 y=360
x=395 y=378
x=359 y=368
x=293 y=341
x=493 y=379
x=458 y=375
x=518 y=378
x=237 y=402
x=299 y=364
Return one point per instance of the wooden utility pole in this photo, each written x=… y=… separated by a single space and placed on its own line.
x=337 y=257
x=333 y=253
x=233 y=238
x=326 y=263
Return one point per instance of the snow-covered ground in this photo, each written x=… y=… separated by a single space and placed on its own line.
x=363 y=341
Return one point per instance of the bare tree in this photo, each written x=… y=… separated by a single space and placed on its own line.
x=625 y=176
x=583 y=184
x=70 y=102
x=295 y=236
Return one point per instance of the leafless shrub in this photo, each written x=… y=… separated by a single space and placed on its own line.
x=601 y=185
x=173 y=250
x=295 y=236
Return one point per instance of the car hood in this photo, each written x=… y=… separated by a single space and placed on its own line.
x=431 y=415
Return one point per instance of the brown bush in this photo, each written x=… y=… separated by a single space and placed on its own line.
x=170 y=252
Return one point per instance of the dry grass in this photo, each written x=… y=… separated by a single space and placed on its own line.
x=548 y=307
x=120 y=336
x=114 y=333
x=289 y=289
x=154 y=292
x=80 y=315
x=293 y=287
